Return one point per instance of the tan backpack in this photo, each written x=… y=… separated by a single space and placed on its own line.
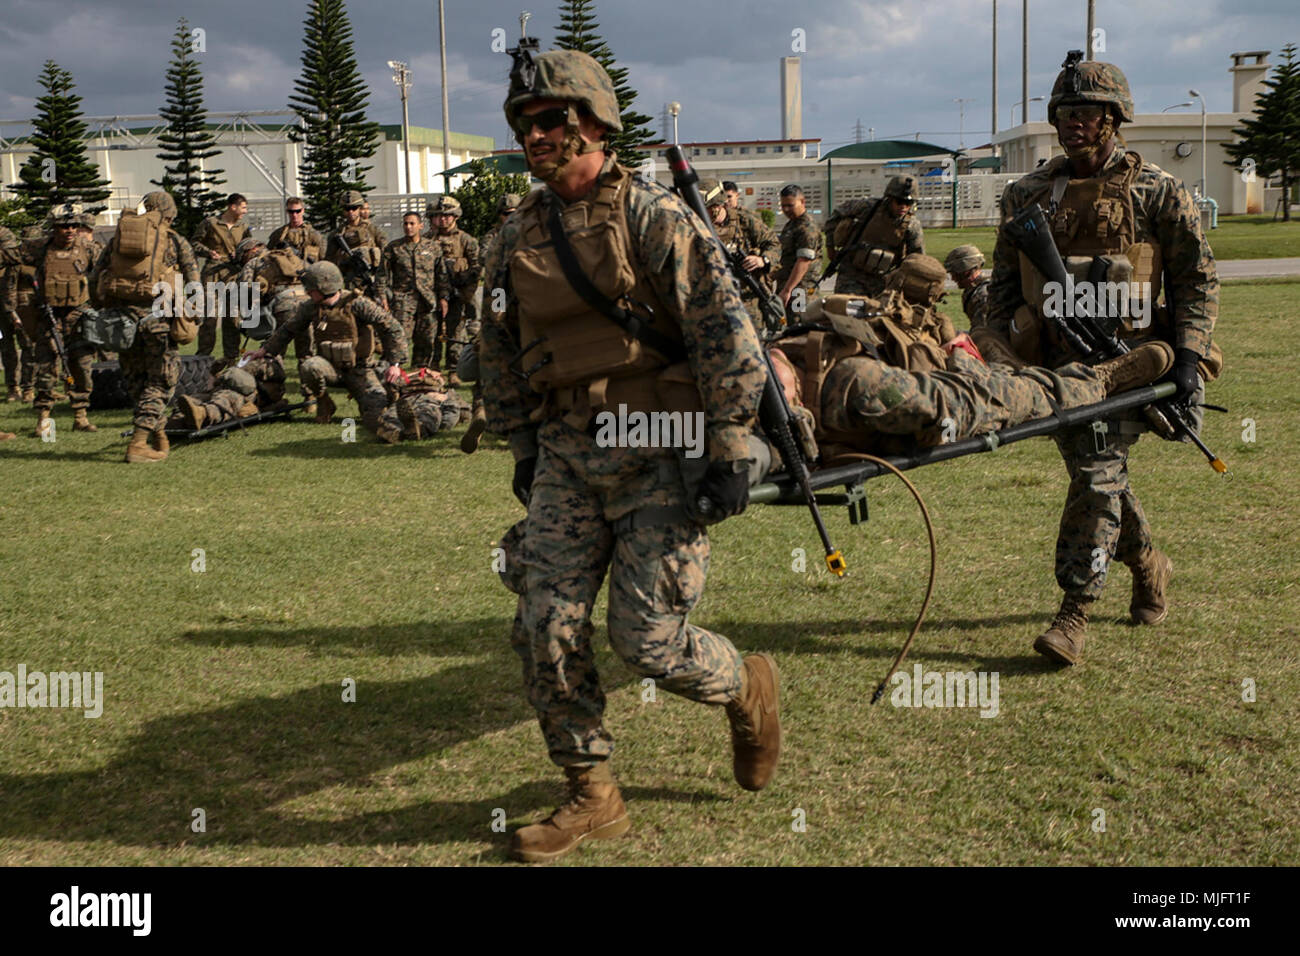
x=138 y=261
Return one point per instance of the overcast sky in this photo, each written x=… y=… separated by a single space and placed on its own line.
x=894 y=66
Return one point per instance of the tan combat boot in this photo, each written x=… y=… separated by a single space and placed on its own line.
x=309 y=409
x=1142 y=366
x=594 y=810
x=14 y=394
x=1150 y=578
x=193 y=411
x=81 y=423
x=388 y=434
x=29 y=394
x=469 y=441
x=158 y=439
x=138 y=450
x=1063 y=641
x=44 y=424
x=453 y=379
x=756 y=723
x=5 y=436
x=325 y=408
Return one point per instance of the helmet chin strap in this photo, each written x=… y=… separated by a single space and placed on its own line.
x=574 y=145
x=1087 y=152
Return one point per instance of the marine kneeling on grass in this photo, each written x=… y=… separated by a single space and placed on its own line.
x=343 y=323
x=870 y=389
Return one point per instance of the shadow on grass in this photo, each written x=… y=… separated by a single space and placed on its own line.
x=328 y=445
x=483 y=635
x=241 y=762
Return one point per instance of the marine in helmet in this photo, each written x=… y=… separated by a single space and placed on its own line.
x=344 y=324
x=752 y=245
x=460 y=253
x=144 y=252
x=868 y=237
x=1103 y=199
x=554 y=359
x=360 y=266
x=965 y=264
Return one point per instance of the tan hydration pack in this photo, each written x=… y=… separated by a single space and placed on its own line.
x=138 y=261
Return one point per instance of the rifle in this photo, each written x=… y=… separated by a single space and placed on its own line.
x=773 y=411
x=359 y=261
x=55 y=334
x=853 y=242
x=1030 y=233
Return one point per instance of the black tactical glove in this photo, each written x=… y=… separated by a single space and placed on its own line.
x=724 y=491
x=1183 y=373
x=523 y=480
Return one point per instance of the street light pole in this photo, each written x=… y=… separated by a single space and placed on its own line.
x=1205 y=187
x=402 y=77
x=446 y=121
x=674 y=108
x=1025 y=116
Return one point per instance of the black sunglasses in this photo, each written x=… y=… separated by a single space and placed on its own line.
x=546 y=119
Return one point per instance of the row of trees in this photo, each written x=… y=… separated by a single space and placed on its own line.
x=329 y=98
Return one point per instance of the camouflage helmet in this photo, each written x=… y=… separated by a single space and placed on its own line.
x=901 y=188
x=68 y=214
x=449 y=205
x=566 y=75
x=713 y=193
x=353 y=198
x=919 y=277
x=86 y=220
x=1091 y=82
x=508 y=203
x=161 y=201
x=963 y=259
x=247 y=244
x=324 y=277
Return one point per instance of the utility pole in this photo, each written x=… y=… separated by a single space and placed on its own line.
x=857 y=131
x=402 y=77
x=446 y=121
x=961 y=136
x=1092 y=19
x=1024 y=54
x=993 y=129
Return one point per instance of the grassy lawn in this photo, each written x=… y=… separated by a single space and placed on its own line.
x=325 y=561
x=1238 y=237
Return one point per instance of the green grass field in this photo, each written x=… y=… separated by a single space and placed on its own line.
x=326 y=561
x=1238 y=237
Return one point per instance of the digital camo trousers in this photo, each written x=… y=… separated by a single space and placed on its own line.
x=361 y=382
x=656 y=576
x=151 y=367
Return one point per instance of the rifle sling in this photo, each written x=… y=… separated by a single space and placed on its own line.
x=633 y=325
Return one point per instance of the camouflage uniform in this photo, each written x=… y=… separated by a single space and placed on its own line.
x=801 y=239
x=904 y=237
x=592 y=509
x=360 y=377
x=412 y=279
x=360 y=238
x=152 y=366
x=305 y=242
x=79 y=256
x=975 y=302
x=214 y=235
x=13 y=334
x=422 y=412
x=1101 y=510
x=744 y=234
x=460 y=252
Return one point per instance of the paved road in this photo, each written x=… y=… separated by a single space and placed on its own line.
x=1257 y=268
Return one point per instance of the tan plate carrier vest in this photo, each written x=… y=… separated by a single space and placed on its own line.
x=581 y=360
x=880 y=243
x=360 y=237
x=338 y=339
x=66 y=274
x=298 y=239
x=138 y=260
x=1093 y=217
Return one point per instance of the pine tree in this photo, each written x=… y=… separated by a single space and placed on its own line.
x=1271 y=140
x=330 y=100
x=59 y=171
x=478 y=197
x=187 y=140
x=578 y=32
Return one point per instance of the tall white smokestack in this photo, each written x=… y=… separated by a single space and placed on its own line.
x=791 y=98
